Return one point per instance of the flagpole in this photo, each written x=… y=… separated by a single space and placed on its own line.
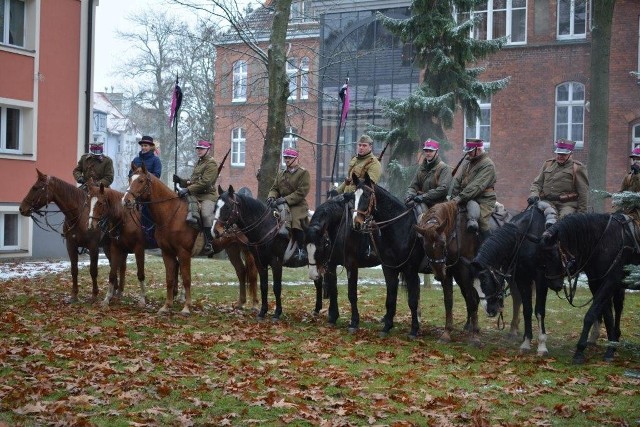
x=340 y=120
x=176 y=102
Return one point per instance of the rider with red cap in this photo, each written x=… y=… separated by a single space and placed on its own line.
x=201 y=188
x=94 y=166
x=432 y=180
x=288 y=193
x=631 y=182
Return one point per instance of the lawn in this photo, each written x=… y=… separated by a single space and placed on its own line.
x=84 y=364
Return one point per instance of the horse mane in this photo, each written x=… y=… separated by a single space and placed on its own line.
x=445 y=213
x=68 y=191
x=582 y=232
x=114 y=205
x=498 y=249
x=323 y=216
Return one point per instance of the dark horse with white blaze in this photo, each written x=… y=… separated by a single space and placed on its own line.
x=449 y=248
x=512 y=254
x=331 y=241
x=126 y=236
x=599 y=245
x=74 y=205
x=237 y=212
x=391 y=228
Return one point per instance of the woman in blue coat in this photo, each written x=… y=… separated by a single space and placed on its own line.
x=148 y=156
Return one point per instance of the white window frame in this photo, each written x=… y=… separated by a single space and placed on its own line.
x=292 y=74
x=239 y=81
x=238 y=147
x=26 y=128
x=572 y=105
x=297 y=11
x=290 y=140
x=17 y=246
x=572 y=19
x=635 y=136
x=5 y=30
x=508 y=11
x=304 y=78
x=482 y=127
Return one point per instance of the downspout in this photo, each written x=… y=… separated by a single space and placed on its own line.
x=88 y=89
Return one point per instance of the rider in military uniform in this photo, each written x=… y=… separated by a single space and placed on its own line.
x=631 y=182
x=95 y=166
x=432 y=180
x=474 y=187
x=363 y=162
x=288 y=193
x=562 y=182
x=201 y=188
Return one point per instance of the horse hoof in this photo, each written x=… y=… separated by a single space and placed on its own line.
x=579 y=360
x=383 y=334
x=163 y=310
x=260 y=317
x=185 y=313
x=412 y=337
x=543 y=353
x=353 y=329
x=476 y=343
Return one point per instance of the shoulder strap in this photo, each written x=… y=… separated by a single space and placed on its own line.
x=438 y=171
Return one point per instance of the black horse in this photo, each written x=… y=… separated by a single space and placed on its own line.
x=599 y=245
x=512 y=253
x=332 y=242
x=237 y=212
x=392 y=230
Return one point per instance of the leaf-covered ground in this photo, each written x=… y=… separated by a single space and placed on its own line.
x=82 y=364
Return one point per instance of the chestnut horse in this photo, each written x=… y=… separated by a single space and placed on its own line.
x=124 y=229
x=73 y=203
x=175 y=238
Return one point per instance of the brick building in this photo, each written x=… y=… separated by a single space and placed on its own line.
x=547 y=58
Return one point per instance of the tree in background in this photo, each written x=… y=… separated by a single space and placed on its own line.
x=443 y=49
x=602 y=20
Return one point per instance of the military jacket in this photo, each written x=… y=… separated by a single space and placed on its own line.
x=97 y=168
x=294 y=187
x=556 y=180
x=476 y=181
x=433 y=180
x=359 y=166
x=203 y=180
x=631 y=182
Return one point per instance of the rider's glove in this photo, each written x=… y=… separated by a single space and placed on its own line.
x=533 y=199
x=81 y=180
x=281 y=201
x=176 y=179
x=183 y=192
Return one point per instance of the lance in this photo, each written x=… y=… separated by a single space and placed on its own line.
x=344 y=96
x=224 y=159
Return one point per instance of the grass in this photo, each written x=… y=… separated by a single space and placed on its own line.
x=83 y=364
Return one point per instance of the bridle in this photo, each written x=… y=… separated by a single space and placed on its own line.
x=433 y=222
x=231 y=227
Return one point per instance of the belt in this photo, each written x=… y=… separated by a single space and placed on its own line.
x=488 y=190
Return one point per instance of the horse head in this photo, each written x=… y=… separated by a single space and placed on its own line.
x=552 y=259
x=435 y=227
x=226 y=213
x=102 y=207
x=139 y=186
x=365 y=200
x=491 y=286
x=38 y=196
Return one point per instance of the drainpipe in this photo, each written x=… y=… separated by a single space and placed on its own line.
x=88 y=89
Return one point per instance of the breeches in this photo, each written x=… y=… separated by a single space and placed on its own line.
x=564 y=209
x=207 y=207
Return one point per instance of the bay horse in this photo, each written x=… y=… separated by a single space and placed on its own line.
x=73 y=203
x=512 y=254
x=175 y=237
x=599 y=245
x=450 y=248
x=236 y=212
x=332 y=242
x=123 y=226
x=391 y=228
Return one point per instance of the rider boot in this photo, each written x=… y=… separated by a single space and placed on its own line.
x=473 y=214
x=193 y=214
x=208 y=238
x=301 y=253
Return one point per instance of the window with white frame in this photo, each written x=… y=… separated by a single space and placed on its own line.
x=304 y=78
x=292 y=75
x=290 y=140
x=501 y=18
x=482 y=126
x=239 y=81
x=12 y=20
x=572 y=19
x=297 y=10
x=9 y=231
x=635 y=136
x=570 y=112
x=10 y=129
x=238 y=147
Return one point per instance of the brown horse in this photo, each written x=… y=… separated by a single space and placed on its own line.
x=124 y=229
x=73 y=203
x=450 y=249
x=245 y=265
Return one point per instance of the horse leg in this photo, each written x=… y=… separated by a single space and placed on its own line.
x=527 y=311
x=264 y=292
x=447 y=294
x=330 y=283
x=113 y=278
x=516 y=300
x=541 y=302
x=170 y=267
x=352 y=291
x=93 y=270
x=252 y=277
x=122 y=270
x=276 y=271
x=233 y=252
x=185 y=274
x=465 y=279
x=618 y=306
x=72 y=250
x=601 y=298
x=391 y=279
x=413 y=295
x=612 y=335
x=139 y=253
x=318 y=283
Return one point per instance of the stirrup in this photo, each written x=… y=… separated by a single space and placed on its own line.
x=191 y=219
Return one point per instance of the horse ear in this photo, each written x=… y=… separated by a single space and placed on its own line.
x=144 y=168
x=40 y=174
x=220 y=190
x=101 y=188
x=133 y=166
x=231 y=190
x=354 y=179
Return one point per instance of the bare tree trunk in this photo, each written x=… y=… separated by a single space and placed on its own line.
x=599 y=114
x=278 y=95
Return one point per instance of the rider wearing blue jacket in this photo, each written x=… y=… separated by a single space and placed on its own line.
x=148 y=156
